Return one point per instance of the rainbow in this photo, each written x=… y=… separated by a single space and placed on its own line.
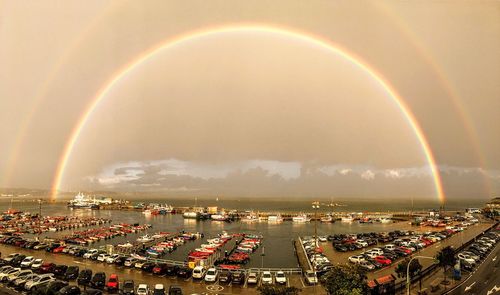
x=306 y=37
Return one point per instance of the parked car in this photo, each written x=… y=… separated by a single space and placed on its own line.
x=198 y=272
x=98 y=280
x=143 y=289
x=69 y=290
x=128 y=287
x=267 y=278
x=225 y=277
x=27 y=262
x=311 y=277
x=184 y=272
x=253 y=278
x=84 y=277
x=238 y=278
x=211 y=275
x=159 y=289
x=37 y=264
x=174 y=290
x=113 y=284
x=41 y=279
x=71 y=273
x=280 y=277
x=47 y=267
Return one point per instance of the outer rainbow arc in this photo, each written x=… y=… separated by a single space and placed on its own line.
x=318 y=41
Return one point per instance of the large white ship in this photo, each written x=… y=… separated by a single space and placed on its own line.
x=81 y=201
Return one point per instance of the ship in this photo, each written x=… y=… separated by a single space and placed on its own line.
x=190 y=215
x=301 y=218
x=81 y=201
x=219 y=217
x=252 y=217
x=327 y=219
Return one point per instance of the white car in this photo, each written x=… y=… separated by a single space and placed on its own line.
x=267 y=278
x=356 y=259
x=322 y=239
x=371 y=254
x=390 y=247
x=102 y=257
x=21 y=280
x=140 y=263
x=363 y=243
x=159 y=289
x=27 y=261
x=466 y=257
x=112 y=258
x=90 y=253
x=4 y=275
x=311 y=277
x=37 y=263
x=367 y=265
x=377 y=250
x=5 y=268
x=12 y=277
x=211 y=275
x=142 y=289
x=280 y=277
x=41 y=279
x=40 y=246
x=253 y=278
x=198 y=272
x=130 y=262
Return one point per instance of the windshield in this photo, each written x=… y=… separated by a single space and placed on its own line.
x=211 y=272
x=267 y=275
x=280 y=275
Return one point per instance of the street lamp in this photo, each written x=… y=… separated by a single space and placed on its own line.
x=408 y=271
x=315 y=206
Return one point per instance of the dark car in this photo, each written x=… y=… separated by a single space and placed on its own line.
x=92 y=292
x=148 y=266
x=54 y=286
x=120 y=260
x=80 y=253
x=71 y=273
x=160 y=269
x=99 y=280
x=16 y=261
x=171 y=270
x=84 y=277
x=464 y=265
x=184 y=272
x=238 y=278
x=69 y=290
x=52 y=246
x=60 y=270
x=225 y=277
x=128 y=287
x=174 y=290
x=341 y=248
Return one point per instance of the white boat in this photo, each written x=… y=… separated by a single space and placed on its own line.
x=146 y=212
x=347 y=219
x=218 y=217
x=145 y=239
x=252 y=217
x=190 y=215
x=81 y=201
x=300 y=218
x=385 y=220
x=327 y=219
x=275 y=219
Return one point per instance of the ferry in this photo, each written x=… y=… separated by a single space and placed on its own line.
x=301 y=218
x=275 y=218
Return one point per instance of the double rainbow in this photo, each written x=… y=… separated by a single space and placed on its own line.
x=305 y=37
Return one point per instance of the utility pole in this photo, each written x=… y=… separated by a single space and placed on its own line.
x=39 y=216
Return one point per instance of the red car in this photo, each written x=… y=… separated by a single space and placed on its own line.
x=406 y=250
x=160 y=269
x=113 y=283
x=383 y=260
x=426 y=242
x=58 y=249
x=47 y=267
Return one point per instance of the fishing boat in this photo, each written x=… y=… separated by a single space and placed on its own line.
x=301 y=218
x=190 y=215
x=145 y=239
x=219 y=217
x=275 y=218
x=327 y=219
x=252 y=217
x=347 y=219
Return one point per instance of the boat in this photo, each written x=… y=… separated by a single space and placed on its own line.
x=219 y=217
x=275 y=218
x=190 y=215
x=347 y=219
x=252 y=217
x=385 y=220
x=81 y=201
x=301 y=218
x=327 y=219
x=145 y=239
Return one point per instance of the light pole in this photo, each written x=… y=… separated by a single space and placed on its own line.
x=408 y=271
x=315 y=206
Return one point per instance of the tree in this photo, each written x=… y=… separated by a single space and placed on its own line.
x=415 y=268
x=346 y=280
x=445 y=258
x=278 y=290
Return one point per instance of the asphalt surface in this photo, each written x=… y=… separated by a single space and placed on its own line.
x=485 y=280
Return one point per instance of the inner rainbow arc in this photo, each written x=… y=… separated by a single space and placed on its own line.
x=306 y=37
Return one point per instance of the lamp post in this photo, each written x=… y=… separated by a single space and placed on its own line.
x=315 y=206
x=408 y=271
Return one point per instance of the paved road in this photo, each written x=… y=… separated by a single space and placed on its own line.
x=485 y=280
